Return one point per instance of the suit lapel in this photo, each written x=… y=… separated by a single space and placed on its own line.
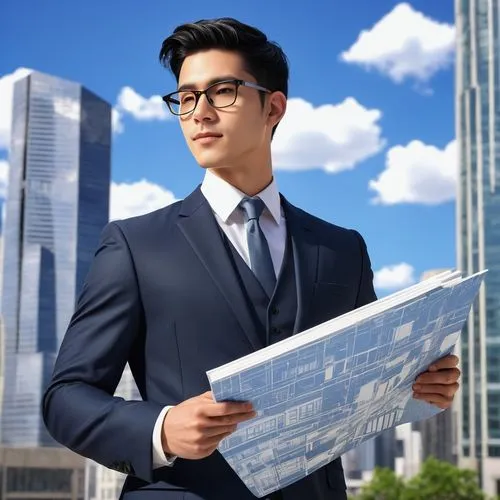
x=200 y=228
x=305 y=257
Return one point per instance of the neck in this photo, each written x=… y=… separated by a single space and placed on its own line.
x=249 y=179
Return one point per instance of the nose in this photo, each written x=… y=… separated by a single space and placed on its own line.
x=203 y=111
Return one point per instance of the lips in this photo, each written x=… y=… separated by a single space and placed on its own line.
x=204 y=135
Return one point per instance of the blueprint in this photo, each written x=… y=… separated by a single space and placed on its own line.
x=317 y=400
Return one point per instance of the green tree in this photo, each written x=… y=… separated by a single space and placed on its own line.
x=436 y=480
x=385 y=485
x=439 y=480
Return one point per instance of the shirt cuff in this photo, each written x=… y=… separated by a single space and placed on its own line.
x=160 y=459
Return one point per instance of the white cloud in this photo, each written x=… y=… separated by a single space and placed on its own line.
x=4 y=178
x=130 y=102
x=6 y=94
x=137 y=198
x=417 y=173
x=404 y=44
x=394 y=277
x=141 y=108
x=334 y=137
x=117 y=121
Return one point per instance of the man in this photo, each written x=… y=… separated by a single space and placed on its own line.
x=227 y=271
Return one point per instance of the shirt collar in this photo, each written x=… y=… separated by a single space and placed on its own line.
x=224 y=198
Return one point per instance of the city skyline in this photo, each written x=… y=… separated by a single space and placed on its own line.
x=56 y=207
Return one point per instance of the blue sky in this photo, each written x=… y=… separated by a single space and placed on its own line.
x=371 y=87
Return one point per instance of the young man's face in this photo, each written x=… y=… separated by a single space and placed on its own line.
x=242 y=130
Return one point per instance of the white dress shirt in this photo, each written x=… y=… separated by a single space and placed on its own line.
x=224 y=199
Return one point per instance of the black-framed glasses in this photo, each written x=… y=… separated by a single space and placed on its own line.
x=219 y=95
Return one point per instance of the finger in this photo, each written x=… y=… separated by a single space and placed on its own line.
x=206 y=397
x=236 y=418
x=211 y=443
x=435 y=399
x=227 y=408
x=450 y=361
x=220 y=430
x=446 y=376
x=444 y=390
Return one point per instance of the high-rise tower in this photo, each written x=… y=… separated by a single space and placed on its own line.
x=57 y=204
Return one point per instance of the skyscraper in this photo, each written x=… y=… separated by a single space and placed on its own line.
x=437 y=432
x=57 y=204
x=478 y=232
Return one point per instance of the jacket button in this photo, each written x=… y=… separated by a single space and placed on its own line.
x=276 y=330
x=275 y=311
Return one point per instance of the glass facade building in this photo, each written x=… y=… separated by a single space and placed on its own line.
x=478 y=232
x=57 y=204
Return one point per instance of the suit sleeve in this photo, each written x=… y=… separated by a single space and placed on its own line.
x=366 y=292
x=78 y=406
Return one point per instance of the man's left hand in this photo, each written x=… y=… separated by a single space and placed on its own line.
x=439 y=383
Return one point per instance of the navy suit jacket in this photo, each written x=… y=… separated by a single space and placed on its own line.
x=162 y=295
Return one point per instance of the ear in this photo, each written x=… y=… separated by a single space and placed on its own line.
x=276 y=107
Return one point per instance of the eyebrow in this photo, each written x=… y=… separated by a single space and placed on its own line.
x=192 y=86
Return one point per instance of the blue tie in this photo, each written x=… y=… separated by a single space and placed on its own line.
x=260 y=256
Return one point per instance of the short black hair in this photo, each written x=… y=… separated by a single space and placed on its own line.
x=262 y=58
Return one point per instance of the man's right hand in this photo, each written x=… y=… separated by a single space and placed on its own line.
x=194 y=428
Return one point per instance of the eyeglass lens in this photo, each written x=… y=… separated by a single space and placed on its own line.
x=220 y=95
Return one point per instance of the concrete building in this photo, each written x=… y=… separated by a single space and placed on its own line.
x=409 y=451
x=41 y=474
x=359 y=464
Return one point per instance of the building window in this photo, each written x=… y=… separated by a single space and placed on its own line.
x=33 y=479
x=494 y=451
x=400 y=448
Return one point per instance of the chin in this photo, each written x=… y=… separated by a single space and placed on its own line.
x=211 y=160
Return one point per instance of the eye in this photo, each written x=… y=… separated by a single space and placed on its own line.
x=229 y=89
x=187 y=97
